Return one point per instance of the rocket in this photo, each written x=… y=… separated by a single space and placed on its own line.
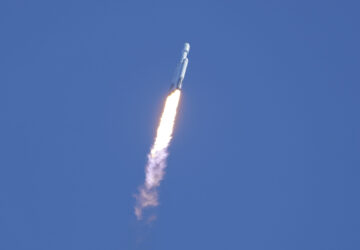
x=180 y=71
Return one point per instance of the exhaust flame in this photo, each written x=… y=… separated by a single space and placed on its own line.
x=148 y=195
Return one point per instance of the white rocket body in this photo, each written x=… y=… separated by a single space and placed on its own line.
x=181 y=69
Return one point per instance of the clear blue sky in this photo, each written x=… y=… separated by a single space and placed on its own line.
x=266 y=147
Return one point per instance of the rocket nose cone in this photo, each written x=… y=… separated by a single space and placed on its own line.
x=187 y=47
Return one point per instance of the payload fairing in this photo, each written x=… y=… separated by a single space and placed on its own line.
x=180 y=71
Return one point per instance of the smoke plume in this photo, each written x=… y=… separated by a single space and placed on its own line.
x=155 y=167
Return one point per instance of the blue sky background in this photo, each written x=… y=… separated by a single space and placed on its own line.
x=266 y=147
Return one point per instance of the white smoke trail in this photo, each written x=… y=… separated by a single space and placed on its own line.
x=155 y=167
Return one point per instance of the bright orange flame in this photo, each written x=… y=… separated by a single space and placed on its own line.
x=148 y=196
x=166 y=126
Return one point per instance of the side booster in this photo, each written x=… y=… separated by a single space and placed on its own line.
x=180 y=71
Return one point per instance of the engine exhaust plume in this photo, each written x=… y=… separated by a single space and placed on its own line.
x=155 y=167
